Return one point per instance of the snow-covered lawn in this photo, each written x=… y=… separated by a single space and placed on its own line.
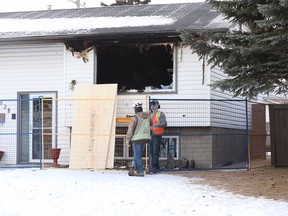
x=82 y=192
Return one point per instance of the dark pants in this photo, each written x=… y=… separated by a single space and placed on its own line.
x=137 y=157
x=155 y=150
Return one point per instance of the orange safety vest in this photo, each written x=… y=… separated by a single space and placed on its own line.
x=156 y=121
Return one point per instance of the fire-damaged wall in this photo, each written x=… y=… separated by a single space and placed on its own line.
x=135 y=66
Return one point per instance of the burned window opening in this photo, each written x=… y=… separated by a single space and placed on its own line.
x=136 y=67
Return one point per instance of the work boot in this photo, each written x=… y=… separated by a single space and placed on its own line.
x=139 y=174
x=154 y=169
x=131 y=171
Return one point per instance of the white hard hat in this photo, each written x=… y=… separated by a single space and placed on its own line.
x=137 y=104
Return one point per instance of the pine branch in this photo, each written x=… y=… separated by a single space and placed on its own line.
x=256 y=61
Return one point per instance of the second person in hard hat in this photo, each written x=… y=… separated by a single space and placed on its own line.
x=159 y=123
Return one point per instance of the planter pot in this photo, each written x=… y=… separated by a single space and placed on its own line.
x=1 y=154
x=54 y=153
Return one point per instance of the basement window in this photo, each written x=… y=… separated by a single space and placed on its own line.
x=169 y=145
x=137 y=67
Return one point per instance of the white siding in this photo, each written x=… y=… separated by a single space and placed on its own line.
x=228 y=114
x=27 y=67
x=82 y=73
x=190 y=75
x=77 y=69
x=216 y=75
x=30 y=67
x=40 y=67
x=74 y=69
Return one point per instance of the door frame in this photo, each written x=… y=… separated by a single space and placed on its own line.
x=32 y=128
x=35 y=94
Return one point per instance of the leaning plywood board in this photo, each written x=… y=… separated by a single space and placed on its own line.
x=111 y=148
x=97 y=121
x=81 y=153
x=106 y=119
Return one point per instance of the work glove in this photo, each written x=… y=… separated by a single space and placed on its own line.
x=128 y=143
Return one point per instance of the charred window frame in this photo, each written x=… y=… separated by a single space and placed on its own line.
x=138 y=67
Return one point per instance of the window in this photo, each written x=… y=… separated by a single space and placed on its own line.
x=122 y=151
x=119 y=147
x=169 y=144
x=136 y=67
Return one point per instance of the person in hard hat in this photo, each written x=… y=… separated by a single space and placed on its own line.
x=158 y=124
x=138 y=135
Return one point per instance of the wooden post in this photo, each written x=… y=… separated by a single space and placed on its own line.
x=146 y=159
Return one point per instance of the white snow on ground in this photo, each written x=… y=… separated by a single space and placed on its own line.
x=83 y=192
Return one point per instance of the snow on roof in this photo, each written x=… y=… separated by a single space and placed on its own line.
x=60 y=24
x=219 y=22
x=160 y=20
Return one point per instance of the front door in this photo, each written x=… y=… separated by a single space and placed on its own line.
x=37 y=103
x=31 y=126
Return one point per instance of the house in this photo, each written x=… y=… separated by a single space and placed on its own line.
x=45 y=53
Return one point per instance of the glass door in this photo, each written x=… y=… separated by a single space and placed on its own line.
x=37 y=101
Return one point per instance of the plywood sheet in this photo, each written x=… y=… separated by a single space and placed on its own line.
x=106 y=121
x=81 y=153
x=96 y=118
x=111 y=148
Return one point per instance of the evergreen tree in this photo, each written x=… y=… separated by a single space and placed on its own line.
x=127 y=2
x=255 y=60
